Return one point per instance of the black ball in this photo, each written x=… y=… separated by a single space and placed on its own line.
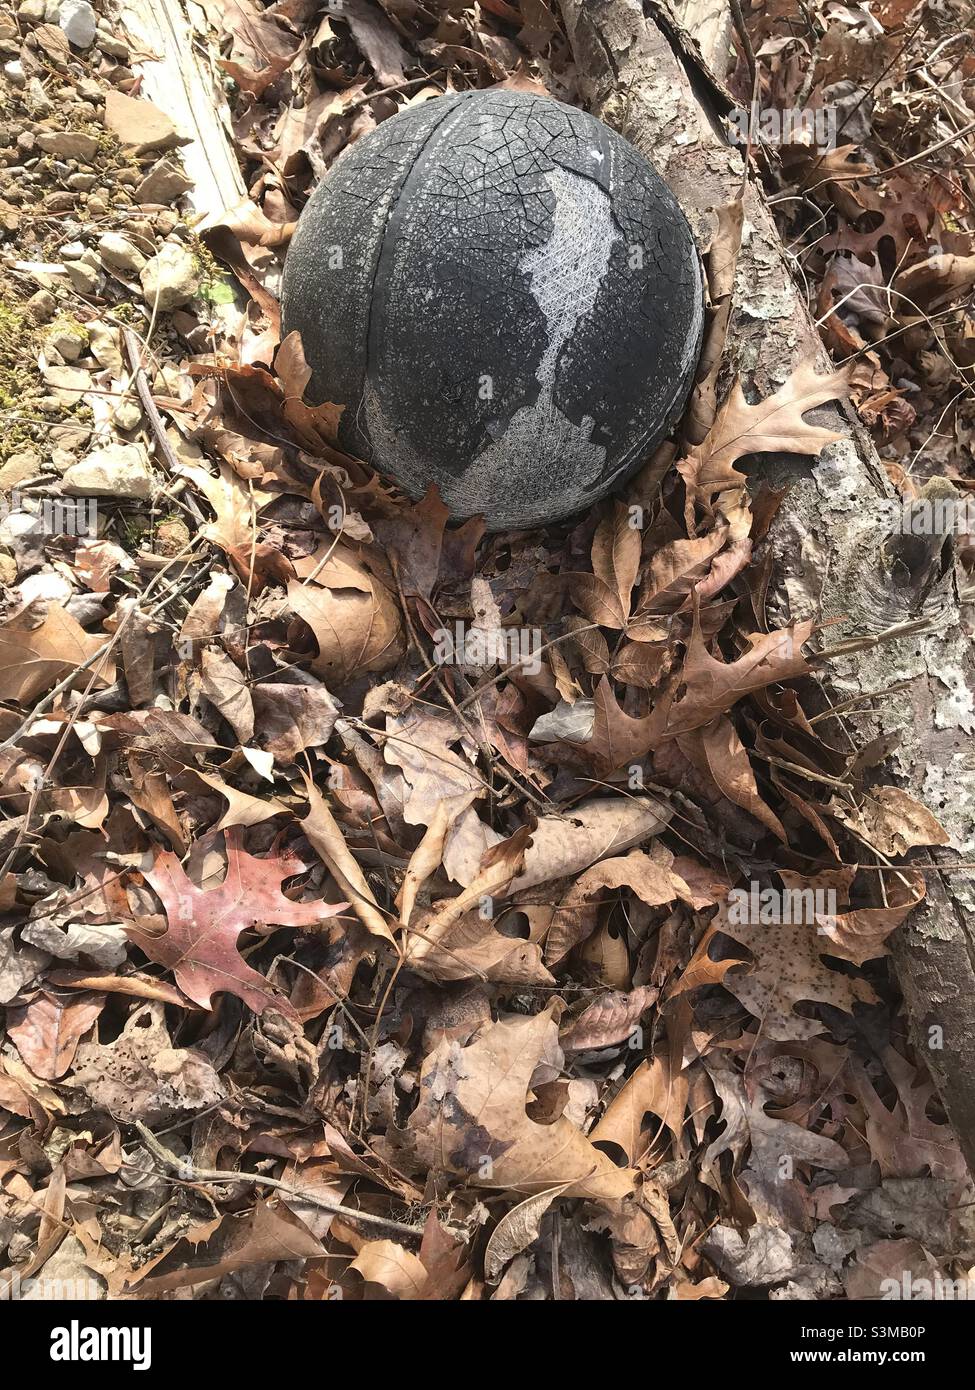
x=506 y=298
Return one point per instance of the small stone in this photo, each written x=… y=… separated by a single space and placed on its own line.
x=81 y=183
x=118 y=470
x=18 y=468
x=171 y=537
x=69 y=436
x=118 y=253
x=69 y=144
x=83 y=277
x=97 y=206
x=67 y=338
x=115 y=48
x=14 y=73
x=166 y=222
x=49 y=38
x=73 y=251
x=128 y=415
x=172 y=278
x=139 y=125
x=139 y=230
x=164 y=183
x=32 y=9
x=42 y=306
x=78 y=22
x=62 y=459
x=68 y=384
x=8 y=569
x=103 y=344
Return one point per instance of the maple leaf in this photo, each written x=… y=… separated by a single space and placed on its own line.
x=200 y=946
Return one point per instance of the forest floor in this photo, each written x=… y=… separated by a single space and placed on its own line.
x=327 y=970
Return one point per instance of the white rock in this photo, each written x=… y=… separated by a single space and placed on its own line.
x=14 y=73
x=83 y=277
x=78 y=22
x=128 y=415
x=67 y=339
x=118 y=253
x=104 y=347
x=118 y=470
x=173 y=275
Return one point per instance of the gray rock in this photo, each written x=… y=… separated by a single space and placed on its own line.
x=173 y=276
x=68 y=339
x=69 y=144
x=164 y=183
x=104 y=346
x=119 y=254
x=119 y=470
x=42 y=306
x=83 y=277
x=128 y=415
x=78 y=22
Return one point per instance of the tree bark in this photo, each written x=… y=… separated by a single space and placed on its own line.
x=831 y=541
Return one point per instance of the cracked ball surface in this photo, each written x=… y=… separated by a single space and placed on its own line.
x=505 y=297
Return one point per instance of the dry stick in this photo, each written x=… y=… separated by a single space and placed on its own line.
x=190 y=1173
x=517 y=665
x=103 y=650
x=133 y=351
x=456 y=710
x=893 y=168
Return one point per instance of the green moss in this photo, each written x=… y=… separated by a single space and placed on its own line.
x=64 y=323
x=17 y=374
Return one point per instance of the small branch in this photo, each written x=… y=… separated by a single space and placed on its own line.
x=189 y=1173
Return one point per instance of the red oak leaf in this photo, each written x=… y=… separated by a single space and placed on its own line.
x=200 y=946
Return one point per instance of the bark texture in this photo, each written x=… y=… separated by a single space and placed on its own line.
x=831 y=542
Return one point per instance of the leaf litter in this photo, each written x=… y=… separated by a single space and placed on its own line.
x=438 y=958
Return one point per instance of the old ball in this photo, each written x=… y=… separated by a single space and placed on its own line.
x=505 y=297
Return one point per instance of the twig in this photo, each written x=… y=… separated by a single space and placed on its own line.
x=190 y=1173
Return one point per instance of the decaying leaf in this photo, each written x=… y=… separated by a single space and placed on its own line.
x=200 y=944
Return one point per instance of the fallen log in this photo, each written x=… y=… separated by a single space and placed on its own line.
x=905 y=663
